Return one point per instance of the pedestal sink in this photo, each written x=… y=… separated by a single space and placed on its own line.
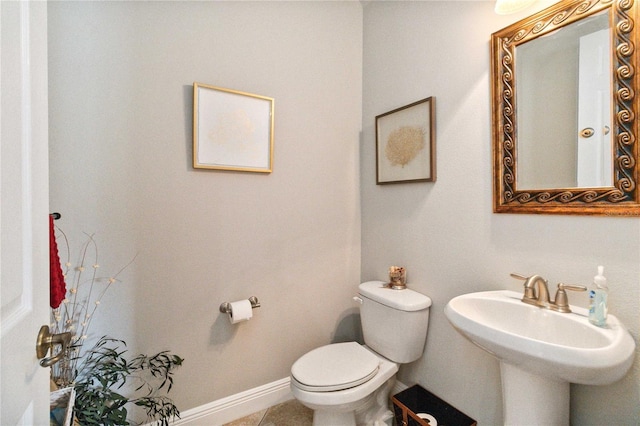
x=541 y=352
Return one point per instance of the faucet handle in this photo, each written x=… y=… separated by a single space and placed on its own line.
x=563 y=286
x=561 y=302
x=518 y=276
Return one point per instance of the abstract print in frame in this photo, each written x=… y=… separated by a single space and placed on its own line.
x=232 y=130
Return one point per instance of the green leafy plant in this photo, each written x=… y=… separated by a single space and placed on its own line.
x=105 y=371
x=109 y=387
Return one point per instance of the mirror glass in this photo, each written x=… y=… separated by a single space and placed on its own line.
x=564 y=130
x=565 y=74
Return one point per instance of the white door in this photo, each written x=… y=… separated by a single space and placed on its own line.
x=24 y=274
x=594 y=111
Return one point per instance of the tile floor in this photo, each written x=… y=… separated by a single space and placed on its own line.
x=290 y=413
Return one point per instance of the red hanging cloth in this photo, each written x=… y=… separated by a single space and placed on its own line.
x=57 y=286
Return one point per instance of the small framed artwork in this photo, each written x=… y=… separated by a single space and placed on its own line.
x=232 y=130
x=406 y=144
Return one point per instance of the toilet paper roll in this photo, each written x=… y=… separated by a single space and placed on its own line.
x=429 y=418
x=240 y=311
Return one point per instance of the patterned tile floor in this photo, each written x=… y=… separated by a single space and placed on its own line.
x=290 y=413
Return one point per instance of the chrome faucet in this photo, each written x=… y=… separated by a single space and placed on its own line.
x=536 y=292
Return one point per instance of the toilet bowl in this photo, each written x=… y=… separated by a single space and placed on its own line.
x=340 y=397
x=348 y=384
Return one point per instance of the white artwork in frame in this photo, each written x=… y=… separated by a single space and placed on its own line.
x=232 y=130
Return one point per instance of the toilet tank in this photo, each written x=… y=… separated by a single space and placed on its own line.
x=394 y=322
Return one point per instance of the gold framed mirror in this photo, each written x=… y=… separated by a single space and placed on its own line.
x=564 y=110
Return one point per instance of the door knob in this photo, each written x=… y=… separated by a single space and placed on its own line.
x=587 y=132
x=46 y=340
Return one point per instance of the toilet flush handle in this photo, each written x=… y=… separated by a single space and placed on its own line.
x=357 y=299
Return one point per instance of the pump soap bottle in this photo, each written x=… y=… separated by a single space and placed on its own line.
x=598 y=299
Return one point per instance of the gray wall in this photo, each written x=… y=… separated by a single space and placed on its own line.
x=121 y=76
x=445 y=233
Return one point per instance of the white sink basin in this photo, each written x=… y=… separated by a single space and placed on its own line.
x=556 y=345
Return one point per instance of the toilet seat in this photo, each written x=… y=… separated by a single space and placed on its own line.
x=335 y=367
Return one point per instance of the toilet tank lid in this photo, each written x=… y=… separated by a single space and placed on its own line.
x=403 y=300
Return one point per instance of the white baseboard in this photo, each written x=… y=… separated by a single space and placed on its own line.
x=236 y=406
x=242 y=404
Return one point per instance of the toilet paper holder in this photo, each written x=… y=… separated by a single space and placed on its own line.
x=225 y=307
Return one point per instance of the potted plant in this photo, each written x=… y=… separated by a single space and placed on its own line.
x=108 y=384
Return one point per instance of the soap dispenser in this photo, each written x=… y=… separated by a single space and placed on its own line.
x=598 y=299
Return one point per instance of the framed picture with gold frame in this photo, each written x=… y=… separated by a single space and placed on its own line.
x=232 y=130
x=406 y=144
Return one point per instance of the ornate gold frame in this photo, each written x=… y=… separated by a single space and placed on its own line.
x=624 y=197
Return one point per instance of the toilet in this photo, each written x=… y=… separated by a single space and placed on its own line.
x=348 y=384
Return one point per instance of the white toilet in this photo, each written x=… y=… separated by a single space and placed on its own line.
x=347 y=384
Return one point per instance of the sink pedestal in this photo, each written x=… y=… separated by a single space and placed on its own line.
x=530 y=399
